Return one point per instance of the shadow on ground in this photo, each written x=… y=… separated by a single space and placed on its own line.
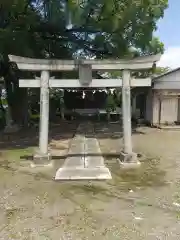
x=64 y=130
x=59 y=157
x=30 y=137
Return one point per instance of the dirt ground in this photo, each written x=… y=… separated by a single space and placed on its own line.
x=137 y=204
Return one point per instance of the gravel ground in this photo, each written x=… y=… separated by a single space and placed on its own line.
x=137 y=204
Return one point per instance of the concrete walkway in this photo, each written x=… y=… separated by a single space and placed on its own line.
x=84 y=161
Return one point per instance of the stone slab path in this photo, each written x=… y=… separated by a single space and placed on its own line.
x=85 y=160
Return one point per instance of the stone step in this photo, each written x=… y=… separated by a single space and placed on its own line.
x=76 y=149
x=94 y=161
x=92 y=146
x=81 y=166
x=101 y=173
x=74 y=162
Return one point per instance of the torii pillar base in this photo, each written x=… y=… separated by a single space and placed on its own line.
x=129 y=160
x=41 y=160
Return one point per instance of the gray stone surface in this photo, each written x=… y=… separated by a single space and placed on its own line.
x=94 y=162
x=130 y=165
x=82 y=173
x=128 y=160
x=40 y=159
x=128 y=157
x=93 y=154
x=85 y=160
x=74 y=162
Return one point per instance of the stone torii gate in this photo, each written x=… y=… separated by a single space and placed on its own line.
x=85 y=68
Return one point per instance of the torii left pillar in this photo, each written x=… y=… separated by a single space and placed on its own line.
x=43 y=156
x=128 y=157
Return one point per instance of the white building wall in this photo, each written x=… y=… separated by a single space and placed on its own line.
x=149 y=105
x=155 y=109
x=165 y=112
x=169 y=110
x=168 y=81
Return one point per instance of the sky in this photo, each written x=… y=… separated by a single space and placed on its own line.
x=169 y=33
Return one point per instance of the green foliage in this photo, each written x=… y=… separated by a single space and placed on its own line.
x=110 y=103
x=118 y=97
x=161 y=70
x=4 y=102
x=96 y=28
x=118 y=25
x=15 y=23
x=104 y=28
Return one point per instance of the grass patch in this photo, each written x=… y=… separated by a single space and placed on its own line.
x=16 y=154
x=35 y=116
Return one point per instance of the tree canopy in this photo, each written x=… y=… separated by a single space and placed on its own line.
x=66 y=29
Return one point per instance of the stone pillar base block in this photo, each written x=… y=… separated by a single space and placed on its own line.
x=40 y=159
x=129 y=160
x=101 y=173
x=131 y=165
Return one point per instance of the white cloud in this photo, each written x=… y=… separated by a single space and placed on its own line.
x=171 y=58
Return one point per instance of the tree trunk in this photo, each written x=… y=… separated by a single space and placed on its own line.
x=108 y=116
x=62 y=113
x=17 y=101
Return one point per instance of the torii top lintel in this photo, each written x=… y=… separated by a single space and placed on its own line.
x=31 y=64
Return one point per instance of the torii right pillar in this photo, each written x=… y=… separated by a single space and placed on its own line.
x=128 y=157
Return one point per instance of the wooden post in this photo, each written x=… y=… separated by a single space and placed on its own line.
x=160 y=110
x=8 y=117
x=134 y=105
x=44 y=113
x=126 y=109
x=62 y=107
